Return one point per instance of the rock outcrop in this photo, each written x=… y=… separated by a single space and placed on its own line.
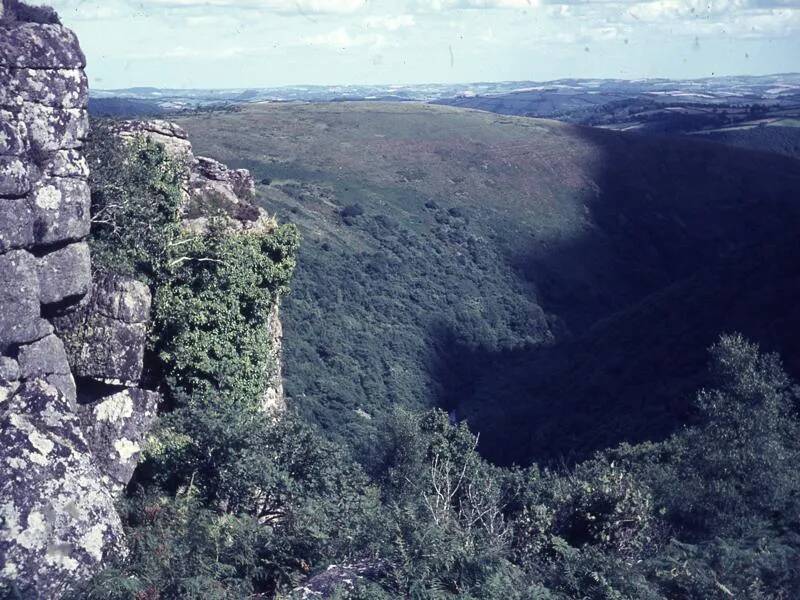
x=105 y=337
x=337 y=579
x=73 y=411
x=212 y=189
x=105 y=334
x=65 y=449
x=44 y=195
x=58 y=519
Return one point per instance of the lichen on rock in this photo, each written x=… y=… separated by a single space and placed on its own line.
x=57 y=519
x=116 y=427
x=58 y=524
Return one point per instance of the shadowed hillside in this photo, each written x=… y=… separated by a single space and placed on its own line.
x=778 y=139
x=438 y=239
x=632 y=376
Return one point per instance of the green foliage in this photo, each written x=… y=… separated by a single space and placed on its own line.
x=708 y=513
x=212 y=311
x=742 y=460
x=136 y=198
x=444 y=510
x=361 y=337
x=443 y=523
x=247 y=506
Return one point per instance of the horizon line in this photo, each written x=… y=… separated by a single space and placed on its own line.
x=464 y=83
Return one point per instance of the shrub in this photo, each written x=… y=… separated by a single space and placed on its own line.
x=136 y=200
x=211 y=312
x=353 y=210
x=736 y=470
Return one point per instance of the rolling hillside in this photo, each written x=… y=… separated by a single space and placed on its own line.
x=777 y=138
x=443 y=247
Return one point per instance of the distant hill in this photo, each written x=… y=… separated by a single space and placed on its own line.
x=727 y=108
x=126 y=108
x=775 y=138
x=480 y=262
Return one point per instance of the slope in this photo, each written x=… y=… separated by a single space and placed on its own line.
x=437 y=239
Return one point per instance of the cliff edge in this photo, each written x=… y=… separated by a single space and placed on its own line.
x=74 y=412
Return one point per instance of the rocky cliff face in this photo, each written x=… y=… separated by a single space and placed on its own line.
x=71 y=415
x=212 y=189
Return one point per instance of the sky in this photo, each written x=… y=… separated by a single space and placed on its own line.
x=270 y=43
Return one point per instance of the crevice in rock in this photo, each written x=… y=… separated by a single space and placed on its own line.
x=152 y=374
x=13 y=196
x=42 y=249
x=90 y=390
x=60 y=308
x=11 y=351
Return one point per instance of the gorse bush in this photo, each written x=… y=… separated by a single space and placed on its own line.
x=230 y=502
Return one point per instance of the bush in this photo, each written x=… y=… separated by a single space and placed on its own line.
x=211 y=312
x=354 y=210
x=136 y=200
x=249 y=505
x=737 y=469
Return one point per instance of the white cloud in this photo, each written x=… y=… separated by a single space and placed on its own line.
x=473 y=4
x=734 y=18
x=87 y=10
x=389 y=23
x=680 y=9
x=340 y=38
x=193 y=53
x=280 y=6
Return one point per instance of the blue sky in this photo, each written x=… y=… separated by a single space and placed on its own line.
x=265 y=43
